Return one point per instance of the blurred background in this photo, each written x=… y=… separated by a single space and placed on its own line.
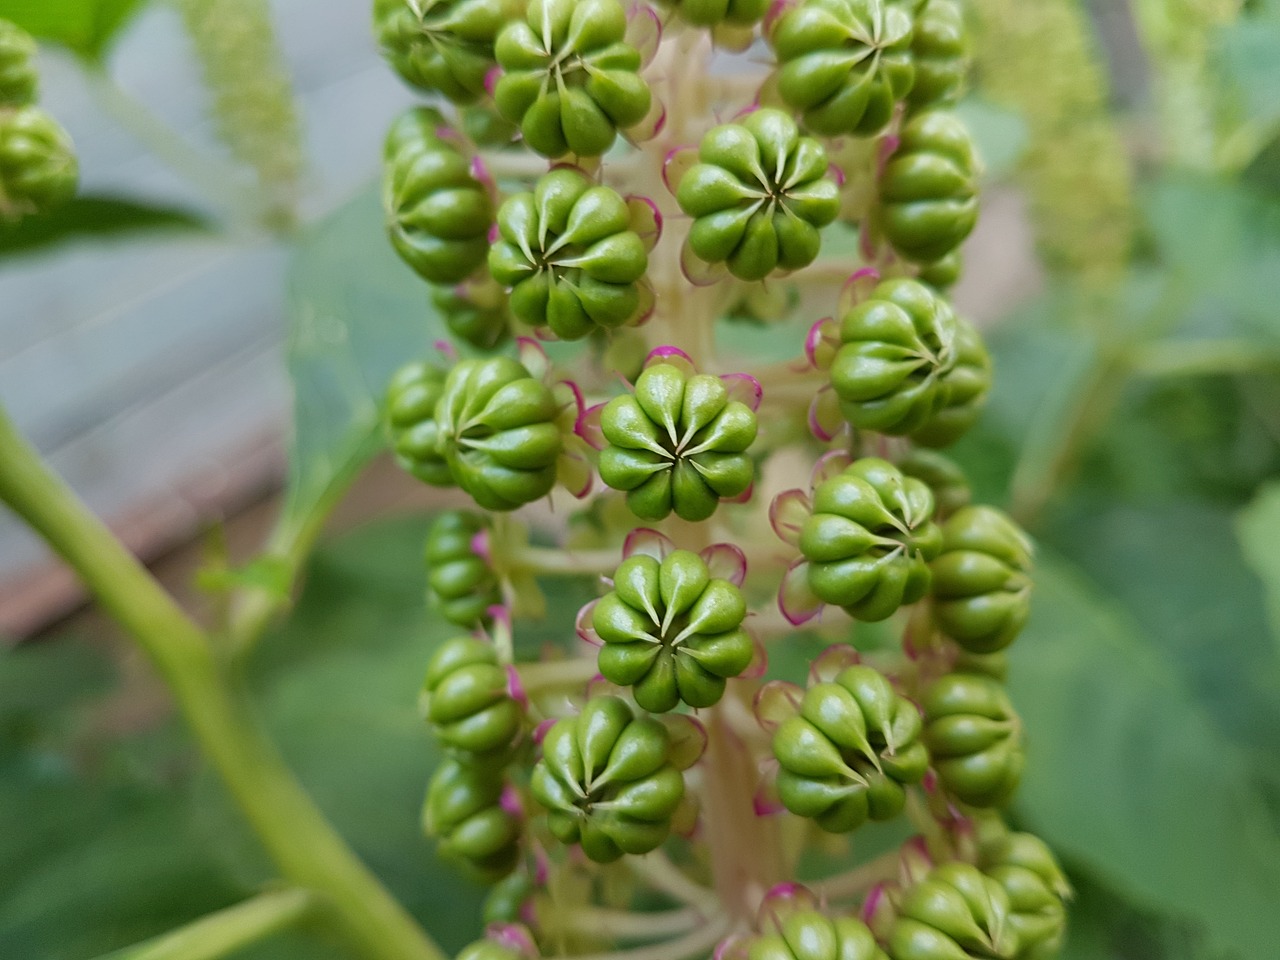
x=198 y=341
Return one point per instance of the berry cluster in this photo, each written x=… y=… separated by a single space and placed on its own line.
x=653 y=737
x=38 y=168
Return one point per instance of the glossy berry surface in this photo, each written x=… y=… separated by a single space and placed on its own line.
x=974 y=738
x=955 y=912
x=411 y=402
x=811 y=935
x=38 y=166
x=463 y=811
x=940 y=51
x=466 y=700
x=18 y=78
x=442 y=46
x=461 y=585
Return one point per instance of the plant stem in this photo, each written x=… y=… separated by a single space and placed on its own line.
x=554 y=674
x=697 y=943
x=546 y=561
x=858 y=880
x=225 y=931
x=305 y=847
x=1200 y=358
x=633 y=926
x=659 y=872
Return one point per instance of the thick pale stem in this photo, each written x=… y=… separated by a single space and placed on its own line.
x=302 y=843
x=633 y=926
x=695 y=944
x=226 y=931
x=859 y=880
x=546 y=561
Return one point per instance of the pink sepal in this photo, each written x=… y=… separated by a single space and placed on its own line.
x=744 y=388
x=725 y=561
x=583 y=626
x=647 y=542
x=787 y=513
x=775 y=702
x=828 y=664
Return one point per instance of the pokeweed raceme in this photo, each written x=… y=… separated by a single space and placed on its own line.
x=597 y=214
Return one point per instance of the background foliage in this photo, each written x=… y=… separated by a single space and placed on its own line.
x=1135 y=427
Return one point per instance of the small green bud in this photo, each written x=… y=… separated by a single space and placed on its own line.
x=18 y=78
x=569 y=255
x=570 y=79
x=963 y=389
x=929 y=190
x=940 y=50
x=974 y=738
x=678 y=443
x=844 y=64
x=758 y=196
x=942 y=475
x=460 y=583
x=445 y=46
x=954 y=913
x=38 y=166
x=466 y=700
x=671 y=631
x=607 y=781
x=846 y=755
x=1037 y=888
x=475 y=312
x=497 y=431
x=464 y=812
x=809 y=935
x=438 y=213
x=869 y=540
x=409 y=415
x=507 y=899
x=981 y=580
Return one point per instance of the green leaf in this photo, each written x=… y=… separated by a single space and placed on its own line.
x=85 y=26
x=357 y=314
x=90 y=217
x=1258 y=527
x=1247 y=51
x=1128 y=777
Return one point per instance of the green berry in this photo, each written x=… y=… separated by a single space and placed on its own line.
x=506 y=901
x=502 y=943
x=569 y=255
x=671 y=631
x=943 y=476
x=869 y=540
x=445 y=46
x=678 y=443
x=712 y=13
x=942 y=274
x=940 y=50
x=411 y=402
x=1037 y=889
x=466 y=700
x=963 y=390
x=497 y=431
x=899 y=350
x=846 y=756
x=18 y=79
x=929 y=189
x=607 y=781
x=809 y=935
x=485 y=127
x=974 y=738
x=461 y=585
x=981 y=580
x=474 y=312
x=438 y=213
x=463 y=811
x=954 y=913
x=570 y=79
x=758 y=196
x=844 y=64
x=38 y=167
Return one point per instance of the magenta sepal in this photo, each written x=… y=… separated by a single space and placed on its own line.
x=726 y=561
x=744 y=388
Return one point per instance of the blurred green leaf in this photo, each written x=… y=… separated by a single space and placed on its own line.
x=1258 y=527
x=87 y=217
x=85 y=26
x=357 y=314
x=1129 y=778
x=1000 y=134
x=1247 y=51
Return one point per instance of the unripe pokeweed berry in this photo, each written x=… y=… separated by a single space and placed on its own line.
x=460 y=583
x=412 y=396
x=942 y=475
x=474 y=312
x=445 y=46
x=981 y=580
x=671 y=631
x=678 y=443
x=507 y=900
x=606 y=780
x=464 y=812
x=809 y=935
x=711 y=13
x=758 y=195
x=869 y=540
x=18 y=78
x=846 y=755
x=940 y=51
x=954 y=912
x=498 y=432
x=38 y=166
x=466 y=700
x=1037 y=889
x=570 y=79
x=844 y=64
x=942 y=274
x=504 y=942
x=438 y=213
x=928 y=190
x=974 y=738
x=963 y=390
x=569 y=255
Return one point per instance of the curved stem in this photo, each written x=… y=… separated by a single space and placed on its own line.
x=859 y=880
x=225 y=931
x=659 y=872
x=697 y=943
x=548 y=561
x=633 y=926
x=554 y=674
x=303 y=844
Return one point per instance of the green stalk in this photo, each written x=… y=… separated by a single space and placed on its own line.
x=227 y=930
x=305 y=847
